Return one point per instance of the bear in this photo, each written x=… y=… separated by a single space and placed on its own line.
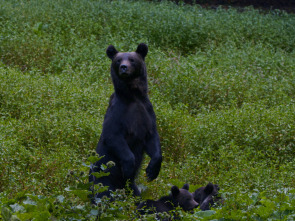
x=207 y=196
x=177 y=198
x=129 y=128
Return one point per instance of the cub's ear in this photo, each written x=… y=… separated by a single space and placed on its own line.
x=209 y=188
x=216 y=187
x=111 y=52
x=175 y=191
x=185 y=186
x=142 y=49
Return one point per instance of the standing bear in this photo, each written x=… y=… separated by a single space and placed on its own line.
x=129 y=127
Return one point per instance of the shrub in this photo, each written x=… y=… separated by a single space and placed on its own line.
x=221 y=83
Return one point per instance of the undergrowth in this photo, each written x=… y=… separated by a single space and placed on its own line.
x=221 y=83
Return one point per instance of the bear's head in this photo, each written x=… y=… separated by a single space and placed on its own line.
x=183 y=197
x=128 y=65
x=207 y=196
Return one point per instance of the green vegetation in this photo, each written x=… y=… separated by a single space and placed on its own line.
x=221 y=82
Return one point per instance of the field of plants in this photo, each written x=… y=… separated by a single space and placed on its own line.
x=222 y=83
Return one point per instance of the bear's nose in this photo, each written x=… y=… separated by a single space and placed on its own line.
x=123 y=68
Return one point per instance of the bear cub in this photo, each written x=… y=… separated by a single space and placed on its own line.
x=207 y=196
x=129 y=127
x=178 y=197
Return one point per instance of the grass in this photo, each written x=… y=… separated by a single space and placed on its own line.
x=221 y=82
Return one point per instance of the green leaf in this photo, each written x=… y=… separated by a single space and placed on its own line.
x=103 y=167
x=17 y=208
x=6 y=214
x=94 y=212
x=36 y=216
x=14 y=218
x=38 y=27
x=106 y=218
x=203 y=214
x=100 y=174
x=80 y=207
x=82 y=194
x=29 y=202
x=254 y=197
x=83 y=186
x=60 y=198
x=101 y=189
x=93 y=159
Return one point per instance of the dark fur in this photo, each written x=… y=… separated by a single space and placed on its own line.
x=129 y=127
x=207 y=196
x=178 y=197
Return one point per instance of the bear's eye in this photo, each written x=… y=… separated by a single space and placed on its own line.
x=118 y=61
x=131 y=60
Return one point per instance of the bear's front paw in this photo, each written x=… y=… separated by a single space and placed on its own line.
x=128 y=168
x=152 y=173
x=153 y=169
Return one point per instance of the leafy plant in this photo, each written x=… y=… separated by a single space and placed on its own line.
x=221 y=83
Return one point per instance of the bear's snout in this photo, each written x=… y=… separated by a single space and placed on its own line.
x=123 y=68
x=196 y=205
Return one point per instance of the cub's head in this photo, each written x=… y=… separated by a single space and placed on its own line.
x=128 y=65
x=207 y=196
x=184 y=198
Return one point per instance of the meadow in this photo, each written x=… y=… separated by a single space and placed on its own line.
x=222 y=83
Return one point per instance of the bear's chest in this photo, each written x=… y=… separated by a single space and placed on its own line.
x=138 y=121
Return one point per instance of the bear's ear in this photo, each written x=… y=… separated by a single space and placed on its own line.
x=185 y=186
x=209 y=188
x=142 y=49
x=175 y=191
x=111 y=52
